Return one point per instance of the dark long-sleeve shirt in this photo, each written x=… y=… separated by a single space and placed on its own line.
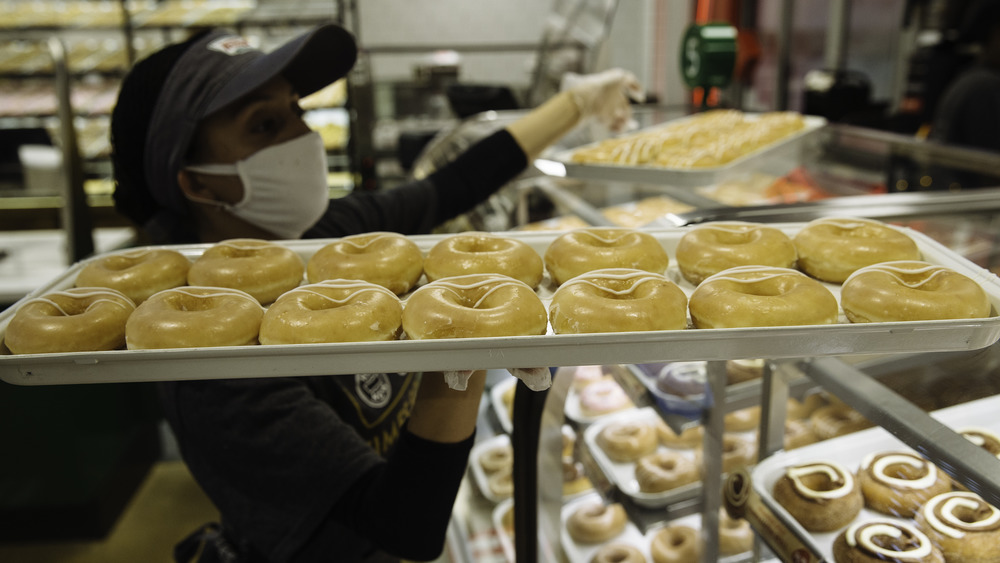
x=322 y=468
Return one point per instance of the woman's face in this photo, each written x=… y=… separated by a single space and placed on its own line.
x=265 y=117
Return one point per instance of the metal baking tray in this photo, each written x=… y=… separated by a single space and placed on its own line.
x=549 y=350
x=778 y=159
x=849 y=450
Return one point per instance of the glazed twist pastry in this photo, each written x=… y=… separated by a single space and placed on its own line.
x=884 y=540
x=963 y=525
x=897 y=483
x=823 y=496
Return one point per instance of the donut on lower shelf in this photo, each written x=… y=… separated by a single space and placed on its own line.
x=594 y=522
x=983 y=438
x=664 y=470
x=690 y=437
x=822 y=496
x=81 y=319
x=603 y=397
x=876 y=541
x=497 y=458
x=738 y=371
x=627 y=441
x=735 y=535
x=676 y=543
x=737 y=452
x=618 y=553
x=962 y=525
x=835 y=420
x=898 y=483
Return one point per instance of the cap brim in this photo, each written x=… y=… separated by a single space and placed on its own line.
x=310 y=62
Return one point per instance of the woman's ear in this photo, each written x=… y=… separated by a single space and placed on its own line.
x=193 y=188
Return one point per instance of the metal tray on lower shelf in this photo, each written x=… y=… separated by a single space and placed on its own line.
x=511 y=352
x=849 y=450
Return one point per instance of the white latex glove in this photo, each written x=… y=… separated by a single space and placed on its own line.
x=537 y=379
x=604 y=96
x=458 y=380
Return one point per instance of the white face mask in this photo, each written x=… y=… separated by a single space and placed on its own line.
x=284 y=186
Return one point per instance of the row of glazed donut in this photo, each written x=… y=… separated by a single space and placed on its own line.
x=827 y=249
x=594 y=523
x=949 y=522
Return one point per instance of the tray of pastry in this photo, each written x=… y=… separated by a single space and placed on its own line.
x=548 y=349
x=696 y=150
x=875 y=449
x=595 y=530
x=652 y=465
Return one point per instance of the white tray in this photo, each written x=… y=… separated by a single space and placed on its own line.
x=622 y=474
x=479 y=475
x=778 y=159
x=849 y=450
x=508 y=352
x=499 y=407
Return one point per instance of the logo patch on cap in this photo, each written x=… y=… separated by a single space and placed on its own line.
x=230 y=45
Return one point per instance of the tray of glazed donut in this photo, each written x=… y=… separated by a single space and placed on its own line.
x=869 y=497
x=654 y=466
x=592 y=296
x=697 y=150
x=598 y=531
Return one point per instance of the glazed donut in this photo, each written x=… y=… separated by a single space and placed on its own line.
x=710 y=248
x=585 y=375
x=664 y=470
x=836 y=420
x=261 y=268
x=752 y=296
x=986 y=439
x=195 y=317
x=387 y=259
x=832 y=248
x=80 y=319
x=596 y=248
x=626 y=441
x=800 y=410
x=742 y=420
x=501 y=483
x=897 y=483
x=876 y=541
x=617 y=300
x=676 y=544
x=483 y=253
x=574 y=478
x=962 y=525
x=735 y=535
x=689 y=438
x=738 y=371
x=603 y=397
x=475 y=305
x=823 y=496
x=911 y=291
x=737 y=452
x=497 y=458
x=138 y=273
x=333 y=311
x=798 y=434
x=618 y=553
x=594 y=522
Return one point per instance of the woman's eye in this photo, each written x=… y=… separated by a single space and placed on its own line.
x=264 y=126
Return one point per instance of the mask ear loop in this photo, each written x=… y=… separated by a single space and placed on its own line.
x=220 y=170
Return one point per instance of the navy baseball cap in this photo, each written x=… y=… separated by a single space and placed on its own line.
x=219 y=69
